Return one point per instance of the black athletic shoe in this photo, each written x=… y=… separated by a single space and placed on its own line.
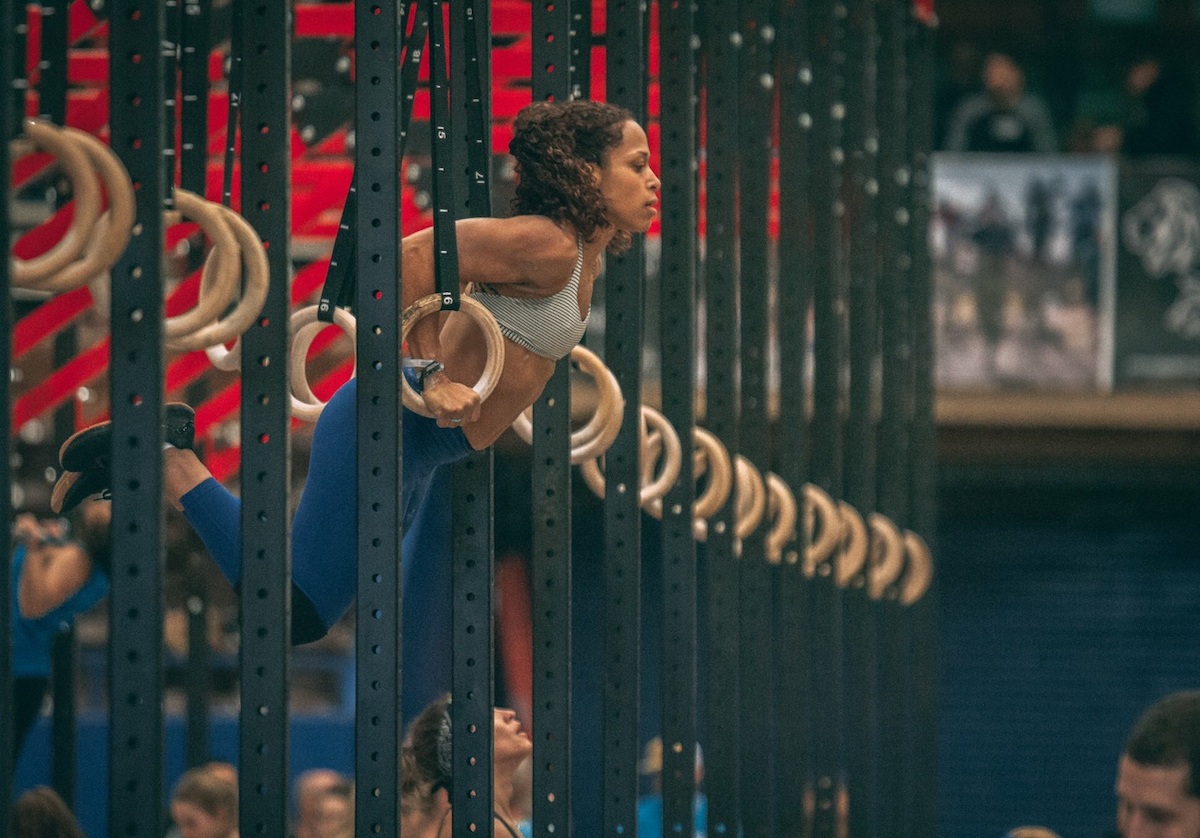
x=74 y=487
x=91 y=448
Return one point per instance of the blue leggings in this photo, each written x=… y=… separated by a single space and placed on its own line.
x=324 y=530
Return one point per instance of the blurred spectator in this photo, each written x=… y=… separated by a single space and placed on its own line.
x=1158 y=776
x=1158 y=116
x=335 y=812
x=650 y=806
x=1004 y=117
x=41 y=813
x=307 y=799
x=204 y=804
x=960 y=79
x=427 y=779
x=54 y=578
x=423 y=810
x=226 y=771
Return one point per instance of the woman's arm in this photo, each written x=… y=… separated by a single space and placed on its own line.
x=52 y=574
x=451 y=402
x=529 y=253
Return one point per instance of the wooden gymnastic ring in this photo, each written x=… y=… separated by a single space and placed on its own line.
x=220 y=278
x=112 y=229
x=751 y=502
x=851 y=559
x=823 y=527
x=672 y=455
x=707 y=451
x=886 y=561
x=918 y=574
x=781 y=506
x=720 y=469
x=226 y=359
x=215 y=294
x=661 y=441
x=651 y=449
x=601 y=430
x=85 y=184
x=710 y=455
x=488 y=379
x=256 y=280
x=305 y=326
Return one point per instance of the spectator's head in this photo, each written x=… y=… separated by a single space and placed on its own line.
x=1158 y=778
x=510 y=743
x=429 y=740
x=335 y=812
x=429 y=737
x=41 y=813
x=308 y=794
x=204 y=804
x=1003 y=79
x=418 y=801
x=220 y=770
x=1142 y=75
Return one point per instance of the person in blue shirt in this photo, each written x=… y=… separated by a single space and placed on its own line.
x=650 y=806
x=54 y=579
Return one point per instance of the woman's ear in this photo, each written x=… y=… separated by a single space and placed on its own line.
x=597 y=173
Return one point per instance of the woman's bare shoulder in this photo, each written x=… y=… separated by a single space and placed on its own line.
x=528 y=249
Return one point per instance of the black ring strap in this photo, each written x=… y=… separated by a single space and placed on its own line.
x=340 y=281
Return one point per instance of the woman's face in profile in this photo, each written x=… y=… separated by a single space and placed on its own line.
x=628 y=183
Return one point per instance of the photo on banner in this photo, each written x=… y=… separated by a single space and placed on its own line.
x=1158 y=296
x=1023 y=248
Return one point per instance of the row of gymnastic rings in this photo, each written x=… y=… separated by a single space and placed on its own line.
x=236 y=267
x=874 y=551
x=94 y=241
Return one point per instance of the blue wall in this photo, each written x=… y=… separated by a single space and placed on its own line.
x=1064 y=614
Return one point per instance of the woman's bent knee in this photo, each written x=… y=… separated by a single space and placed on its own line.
x=307 y=626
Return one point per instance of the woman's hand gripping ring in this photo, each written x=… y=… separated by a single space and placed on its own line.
x=488 y=379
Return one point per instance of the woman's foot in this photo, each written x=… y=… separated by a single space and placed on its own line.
x=86 y=458
x=91 y=448
x=74 y=487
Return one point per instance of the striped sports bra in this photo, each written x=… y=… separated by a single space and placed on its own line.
x=546 y=326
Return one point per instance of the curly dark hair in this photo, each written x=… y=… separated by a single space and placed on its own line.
x=555 y=143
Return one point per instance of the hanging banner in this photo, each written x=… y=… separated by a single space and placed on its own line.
x=1158 y=295
x=1023 y=250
